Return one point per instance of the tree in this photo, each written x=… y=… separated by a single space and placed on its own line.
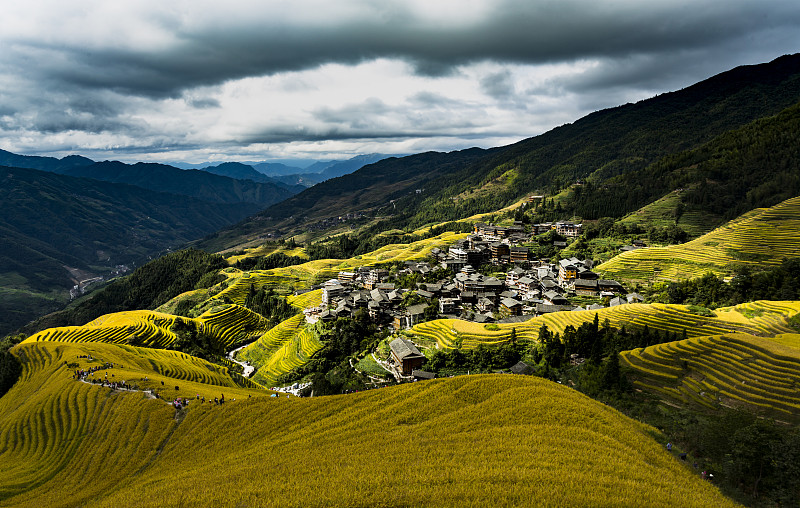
x=610 y=378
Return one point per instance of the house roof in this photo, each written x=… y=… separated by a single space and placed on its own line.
x=521 y=368
x=423 y=374
x=403 y=349
x=510 y=302
x=414 y=310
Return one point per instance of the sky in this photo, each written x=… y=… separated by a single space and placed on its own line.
x=196 y=81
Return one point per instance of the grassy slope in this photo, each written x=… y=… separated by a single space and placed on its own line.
x=661 y=213
x=768 y=319
x=508 y=440
x=762 y=236
x=67 y=441
x=760 y=374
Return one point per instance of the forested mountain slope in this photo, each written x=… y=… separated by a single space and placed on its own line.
x=51 y=223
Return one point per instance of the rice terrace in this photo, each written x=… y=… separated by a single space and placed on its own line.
x=498 y=258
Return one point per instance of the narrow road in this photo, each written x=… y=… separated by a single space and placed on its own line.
x=248 y=369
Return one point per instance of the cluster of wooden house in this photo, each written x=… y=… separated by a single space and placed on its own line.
x=529 y=289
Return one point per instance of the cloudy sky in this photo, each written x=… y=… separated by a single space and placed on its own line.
x=197 y=80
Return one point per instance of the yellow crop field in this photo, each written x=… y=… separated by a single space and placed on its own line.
x=66 y=443
x=305 y=300
x=766 y=318
x=759 y=237
x=229 y=325
x=762 y=374
x=291 y=354
x=149 y=327
x=266 y=250
x=261 y=352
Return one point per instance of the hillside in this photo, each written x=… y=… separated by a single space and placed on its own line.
x=761 y=237
x=367 y=189
x=757 y=165
x=597 y=148
x=59 y=230
x=319 y=451
x=732 y=370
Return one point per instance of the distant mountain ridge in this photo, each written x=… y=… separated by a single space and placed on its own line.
x=194 y=183
x=225 y=183
x=42 y=163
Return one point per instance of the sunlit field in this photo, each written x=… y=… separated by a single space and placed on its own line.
x=467 y=441
x=763 y=236
x=735 y=370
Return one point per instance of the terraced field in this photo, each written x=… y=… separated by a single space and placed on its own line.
x=661 y=213
x=291 y=354
x=144 y=327
x=66 y=443
x=266 y=250
x=762 y=236
x=761 y=318
x=279 y=349
x=732 y=370
x=305 y=300
x=68 y=439
x=229 y=325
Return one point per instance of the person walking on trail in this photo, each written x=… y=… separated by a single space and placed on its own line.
x=669 y=447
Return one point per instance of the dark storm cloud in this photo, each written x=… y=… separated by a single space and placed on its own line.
x=511 y=31
x=283 y=135
x=102 y=78
x=498 y=85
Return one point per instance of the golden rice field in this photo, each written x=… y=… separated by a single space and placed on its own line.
x=305 y=300
x=151 y=328
x=229 y=325
x=739 y=370
x=762 y=318
x=510 y=440
x=288 y=345
x=232 y=325
x=761 y=236
x=266 y=250
x=292 y=353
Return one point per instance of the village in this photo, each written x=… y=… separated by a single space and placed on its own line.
x=450 y=285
